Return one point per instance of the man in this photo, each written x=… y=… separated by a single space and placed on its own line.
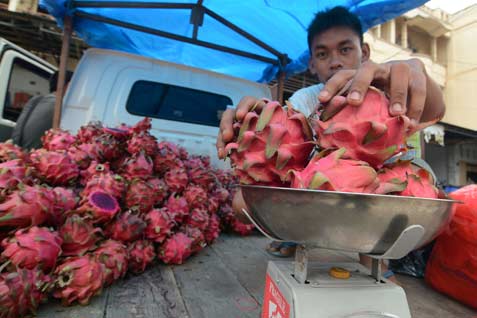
x=338 y=55
x=37 y=116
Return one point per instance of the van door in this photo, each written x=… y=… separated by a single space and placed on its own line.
x=21 y=78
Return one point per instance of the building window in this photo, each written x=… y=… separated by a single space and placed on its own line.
x=176 y=103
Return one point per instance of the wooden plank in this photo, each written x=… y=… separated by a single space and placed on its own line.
x=210 y=289
x=428 y=303
x=95 y=309
x=154 y=293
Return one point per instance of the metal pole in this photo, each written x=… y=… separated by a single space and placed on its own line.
x=281 y=85
x=65 y=47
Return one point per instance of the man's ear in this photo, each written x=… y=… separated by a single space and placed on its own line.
x=365 y=52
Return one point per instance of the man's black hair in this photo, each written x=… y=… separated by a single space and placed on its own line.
x=335 y=17
x=54 y=80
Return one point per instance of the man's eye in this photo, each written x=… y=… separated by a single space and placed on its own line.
x=321 y=55
x=345 y=50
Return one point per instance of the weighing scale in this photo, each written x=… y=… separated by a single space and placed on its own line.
x=380 y=226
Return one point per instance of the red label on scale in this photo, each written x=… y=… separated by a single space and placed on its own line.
x=274 y=304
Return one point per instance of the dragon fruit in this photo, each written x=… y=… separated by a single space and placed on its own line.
x=331 y=172
x=57 y=139
x=81 y=155
x=140 y=196
x=159 y=225
x=212 y=204
x=212 y=232
x=64 y=200
x=127 y=227
x=368 y=132
x=143 y=142
x=141 y=254
x=110 y=183
x=87 y=133
x=11 y=173
x=114 y=256
x=241 y=228
x=177 y=207
x=270 y=144
x=54 y=167
x=160 y=189
x=167 y=158
x=141 y=126
x=138 y=166
x=196 y=196
x=32 y=248
x=29 y=205
x=100 y=205
x=198 y=218
x=176 y=249
x=79 y=236
x=78 y=279
x=107 y=147
x=197 y=237
x=21 y=292
x=176 y=179
x=10 y=151
x=405 y=179
x=94 y=168
x=120 y=133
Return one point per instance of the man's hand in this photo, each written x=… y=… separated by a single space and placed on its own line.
x=226 y=131
x=407 y=84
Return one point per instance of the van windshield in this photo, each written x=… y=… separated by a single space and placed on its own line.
x=164 y=101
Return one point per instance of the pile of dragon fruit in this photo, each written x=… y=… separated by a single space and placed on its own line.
x=82 y=211
x=276 y=146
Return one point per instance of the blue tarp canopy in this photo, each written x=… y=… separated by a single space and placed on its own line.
x=273 y=31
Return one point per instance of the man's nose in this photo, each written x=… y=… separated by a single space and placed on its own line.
x=336 y=63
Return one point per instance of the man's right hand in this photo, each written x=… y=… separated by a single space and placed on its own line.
x=226 y=131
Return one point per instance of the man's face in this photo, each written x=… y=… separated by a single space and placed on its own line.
x=336 y=49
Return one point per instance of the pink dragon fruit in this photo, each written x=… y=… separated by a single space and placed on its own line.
x=81 y=155
x=11 y=173
x=167 y=158
x=138 y=166
x=100 y=205
x=143 y=142
x=368 y=132
x=21 y=292
x=196 y=196
x=120 y=133
x=241 y=228
x=87 y=133
x=197 y=237
x=198 y=218
x=176 y=249
x=405 y=179
x=29 y=205
x=127 y=227
x=57 y=139
x=212 y=232
x=78 y=279
x=114 y=256
x=141 y=254
x=212 y=204
x=64 y=200
x=54 y=167
x=202 y=177
x=177 y=207
x=110 y=183
x=79 y=236
x=142 y=126
x=107 y=147
x=32 y=248
x=159 y=225
x=140 y=196
x=160 y=189
x=270 y=144
x=331 y=172
x=94 y=168
x=9 y=151
x=176 y=179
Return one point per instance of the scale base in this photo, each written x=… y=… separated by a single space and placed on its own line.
x=323 y=296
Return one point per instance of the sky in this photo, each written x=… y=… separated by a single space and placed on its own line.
x=450 y=6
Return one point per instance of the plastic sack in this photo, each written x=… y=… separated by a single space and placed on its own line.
x=452 y=267
x=414 y=263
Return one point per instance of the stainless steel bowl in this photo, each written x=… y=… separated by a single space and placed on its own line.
x=364 y=223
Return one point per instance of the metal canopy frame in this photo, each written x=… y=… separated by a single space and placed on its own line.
x=196 y=19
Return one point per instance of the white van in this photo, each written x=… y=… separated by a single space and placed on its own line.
x=23 y=75
x=185 y=103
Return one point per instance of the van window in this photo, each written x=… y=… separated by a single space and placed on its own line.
x=177 y=103
x=26 y=81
